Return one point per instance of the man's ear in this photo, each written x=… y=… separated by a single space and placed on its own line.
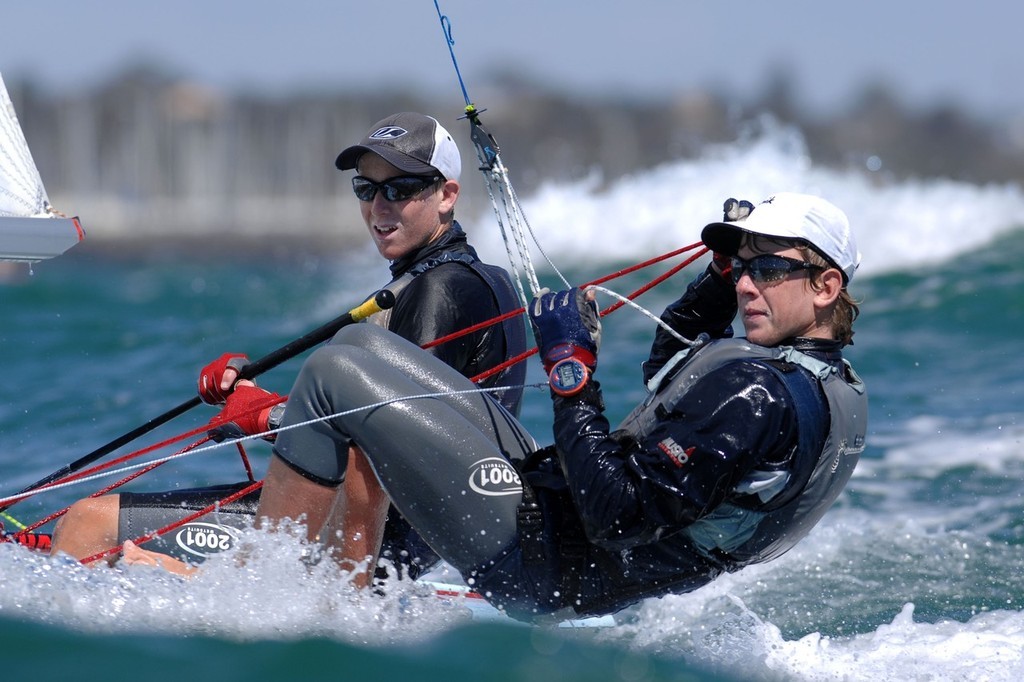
x=449 y=195
x=830 y=283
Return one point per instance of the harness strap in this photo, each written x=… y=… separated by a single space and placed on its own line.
x=568 y=537
x=811 y=424
x=529 y=518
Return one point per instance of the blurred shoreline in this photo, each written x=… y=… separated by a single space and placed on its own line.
x=149 y=158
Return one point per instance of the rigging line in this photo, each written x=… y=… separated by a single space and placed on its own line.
x=497 y=182
x=446 y=27
x=97 y=472
x=623 y=300
x=131 y=455
x=489 y=156
x=113 y=486
x=182 y=454
x=610 y=309
x=218 y=420
x=116 y=484
x=256 y=485
x=646 y=263
x=517 y=277
x=658 y=280
x=600 y=280
x=533 y=236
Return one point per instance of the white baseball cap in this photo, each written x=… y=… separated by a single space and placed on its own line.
x=787 y=215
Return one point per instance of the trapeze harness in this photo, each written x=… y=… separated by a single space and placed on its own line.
x=779 y=512
x=513 y=331
x=769 y=511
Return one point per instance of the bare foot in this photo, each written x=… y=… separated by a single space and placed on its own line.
x=133 y=555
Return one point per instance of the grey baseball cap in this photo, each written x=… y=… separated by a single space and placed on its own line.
x=414 y=143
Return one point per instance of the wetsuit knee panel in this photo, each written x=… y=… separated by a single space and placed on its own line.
x=327 y=481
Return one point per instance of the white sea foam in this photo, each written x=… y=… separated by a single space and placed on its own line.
x=723 y=626
x=855 y=601
x=911 y=222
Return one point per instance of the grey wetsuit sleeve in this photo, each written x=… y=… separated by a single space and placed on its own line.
x=443 y=459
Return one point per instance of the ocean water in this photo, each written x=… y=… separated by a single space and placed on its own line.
x=916 y=573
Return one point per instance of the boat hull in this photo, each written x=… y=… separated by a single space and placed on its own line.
x=36 y=239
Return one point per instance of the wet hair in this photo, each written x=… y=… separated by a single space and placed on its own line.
x=846 y=309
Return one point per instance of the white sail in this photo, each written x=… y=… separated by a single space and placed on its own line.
x=30 y=229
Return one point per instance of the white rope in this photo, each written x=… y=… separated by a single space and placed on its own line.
x=254 y=436
x=636 y=306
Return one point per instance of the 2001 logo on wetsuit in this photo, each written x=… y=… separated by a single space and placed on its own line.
x=205 y=539
x=494 y=476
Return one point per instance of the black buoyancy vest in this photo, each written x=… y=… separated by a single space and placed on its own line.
x=818 y=476
x=513 y=329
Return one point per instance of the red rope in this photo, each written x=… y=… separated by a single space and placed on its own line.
x=112 y=486
x=245 y=461
x=156 y=446
x=654 y=282
x=177 y=524
x=650 y=285
x=601 y=280
x=656 y=259
x=444 y=339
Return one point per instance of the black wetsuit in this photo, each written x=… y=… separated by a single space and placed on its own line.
x=444 y=296
x=449 y=290
x=744 y=460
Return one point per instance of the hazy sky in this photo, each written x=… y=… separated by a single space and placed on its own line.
x=931 y=52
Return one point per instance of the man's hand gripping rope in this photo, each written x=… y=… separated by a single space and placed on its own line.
x=567 y=328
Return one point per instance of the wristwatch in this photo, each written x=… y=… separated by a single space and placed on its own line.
x=568 y=377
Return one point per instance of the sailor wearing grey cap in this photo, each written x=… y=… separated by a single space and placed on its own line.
x=408 y=169
x=407 y=185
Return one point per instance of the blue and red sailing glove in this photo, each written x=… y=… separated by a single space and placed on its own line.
x=568 y=332
x=211 y=376
x=248 y=410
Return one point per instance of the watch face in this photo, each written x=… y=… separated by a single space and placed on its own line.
x=568 y=376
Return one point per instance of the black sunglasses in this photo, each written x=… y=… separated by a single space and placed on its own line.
x=394 y=189
x=767 y=267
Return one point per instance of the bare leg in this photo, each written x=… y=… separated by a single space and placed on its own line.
x=288 y=495
x=136 y=556
x=356 y=525
x=89 y=527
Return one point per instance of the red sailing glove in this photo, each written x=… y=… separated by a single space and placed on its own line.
x=568 y=332
x=211 y=376
x=248 y=410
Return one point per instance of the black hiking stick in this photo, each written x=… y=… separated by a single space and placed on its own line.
x=382 y=300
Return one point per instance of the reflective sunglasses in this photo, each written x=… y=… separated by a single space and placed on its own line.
x=394 y=189
x=767 y=267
